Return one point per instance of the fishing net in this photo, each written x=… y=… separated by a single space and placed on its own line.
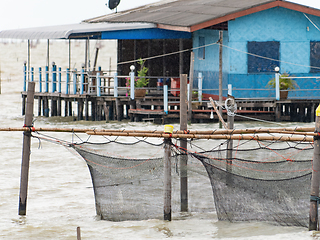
x=269 y=182
x=129 y=186
x=265 y=181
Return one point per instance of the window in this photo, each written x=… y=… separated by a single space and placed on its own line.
x=201 y=50
x=314 y=56
x=269 y=50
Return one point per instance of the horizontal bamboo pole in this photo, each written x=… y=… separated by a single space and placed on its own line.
x=301 y=131
x=199 y=136
x=222 y=133
x=33 y=129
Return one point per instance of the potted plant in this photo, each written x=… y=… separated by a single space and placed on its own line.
x=285 y=84
x=140 y=81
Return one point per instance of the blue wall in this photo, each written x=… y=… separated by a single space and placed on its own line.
x=294 y=32
x=210 y=65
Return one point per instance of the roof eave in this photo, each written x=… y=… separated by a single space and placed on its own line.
x=174 y=28
x=288 y=5
x=235 y=15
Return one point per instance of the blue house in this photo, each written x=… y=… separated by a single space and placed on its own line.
x=257 y=36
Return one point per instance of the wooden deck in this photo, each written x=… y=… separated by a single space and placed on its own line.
x=150 y=108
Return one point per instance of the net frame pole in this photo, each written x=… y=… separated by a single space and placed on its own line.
x=183 y=143
x=167 y=180
x=26 y=151
x=314 y=195
x=230 y=124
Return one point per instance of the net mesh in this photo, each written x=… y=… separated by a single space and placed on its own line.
x=263 y=181
x=131 y=187
x=269 y=183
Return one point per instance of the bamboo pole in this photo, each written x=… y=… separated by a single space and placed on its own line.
x=229 y=152
x=201 y=136
x=314 y=193
x=218 y=113
x=297 y=131
x=220 y=76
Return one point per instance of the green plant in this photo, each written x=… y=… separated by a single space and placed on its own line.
x=285 y=83
x=141 y=80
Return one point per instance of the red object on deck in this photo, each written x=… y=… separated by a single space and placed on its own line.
x=175 y=85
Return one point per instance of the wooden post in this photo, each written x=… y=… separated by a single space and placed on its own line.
x=314 y=199
x=118 y=109
x=26 y=151
x=78 y=233
x=218 y=113
x=106 y=109
x=39 y=105
x=53 y=107
x=70 y=108
x=220 y=73
x=46 y=106
x=278 y=112
x=80 y=109
x=23 y=105
x=59 y=106
x=86 y=109
x=167 y=180
x=183 y=144
x=180 y=56
x=229 y=152
x=190 y=86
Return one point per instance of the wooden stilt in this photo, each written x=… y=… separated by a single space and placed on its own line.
x=132 y=106
x=278 y=112
x=106 y=111
x=80 y=109
x=93 y=110
x=23 y=105
x=59 y=107
x=46 y=107
x=53 y=107
x=314 y=199
x=183 y=144
x=65 y=107
x=70 y=108
x=26 y=151
x=78 y=233
x=167 y=180
x=118 y=110
x=39 y=106
x=87 y=109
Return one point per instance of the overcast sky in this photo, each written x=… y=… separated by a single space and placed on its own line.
x=35 y=13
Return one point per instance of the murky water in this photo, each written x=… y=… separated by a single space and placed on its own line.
x=60 y=196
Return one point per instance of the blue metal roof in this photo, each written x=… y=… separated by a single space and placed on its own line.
x=150 y=33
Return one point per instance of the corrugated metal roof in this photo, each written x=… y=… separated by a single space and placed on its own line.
x=191 y=15
x=71 y=31
x=183 y=13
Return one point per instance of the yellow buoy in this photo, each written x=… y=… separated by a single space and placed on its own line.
x=318 y=111
x=168 y=128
